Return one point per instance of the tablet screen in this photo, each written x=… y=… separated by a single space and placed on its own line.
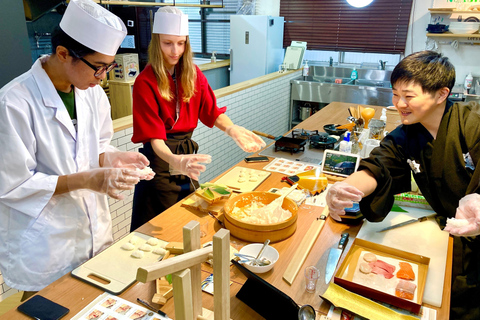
x=339 y=163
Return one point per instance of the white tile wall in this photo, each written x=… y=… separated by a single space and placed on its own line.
x=264 y=108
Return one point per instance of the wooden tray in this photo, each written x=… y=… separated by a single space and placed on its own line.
x=113 y=269
x=230 y=179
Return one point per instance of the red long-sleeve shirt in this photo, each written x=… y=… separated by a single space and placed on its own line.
x=153 y=115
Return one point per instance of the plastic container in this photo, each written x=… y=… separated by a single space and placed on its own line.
x=354 y=74
x=306 y=69
x=468 y=81
x=213 y=59
x=383 y=117
x=346 y=144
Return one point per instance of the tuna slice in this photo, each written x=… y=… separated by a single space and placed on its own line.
x=405 y=289
x=383 y=268
x=406 y=271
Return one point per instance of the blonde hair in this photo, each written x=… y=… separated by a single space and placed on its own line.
x=187 y=75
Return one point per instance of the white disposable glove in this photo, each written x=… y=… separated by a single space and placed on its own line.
x=109 y=181
x=341 y=195
x=114 y=158
x=469 y=210
x=189 y=164
x=245 y=139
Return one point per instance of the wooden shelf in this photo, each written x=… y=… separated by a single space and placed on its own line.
x=468 y=37
x=154 y=4
x=451 y=10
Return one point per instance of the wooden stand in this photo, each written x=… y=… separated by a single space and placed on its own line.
x=185 y=270
x=121 y=98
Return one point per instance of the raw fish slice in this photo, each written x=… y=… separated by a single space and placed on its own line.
x=406 y=271
x=405 y=289
x=383 y=268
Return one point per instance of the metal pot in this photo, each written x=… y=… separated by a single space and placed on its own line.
x=305 y=111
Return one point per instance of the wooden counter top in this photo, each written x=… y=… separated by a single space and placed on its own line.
x=215 y=65
x=75 y=294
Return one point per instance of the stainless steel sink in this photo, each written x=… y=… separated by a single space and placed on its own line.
x=371 y=87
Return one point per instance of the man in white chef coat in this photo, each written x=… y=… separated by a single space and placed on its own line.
x=56 y=164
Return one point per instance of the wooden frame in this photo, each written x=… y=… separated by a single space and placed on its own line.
x=186 y=274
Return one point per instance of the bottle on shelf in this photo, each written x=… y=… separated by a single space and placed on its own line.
x=213 y=59
x=306 y=69
x=354 y=74
x=468 y=82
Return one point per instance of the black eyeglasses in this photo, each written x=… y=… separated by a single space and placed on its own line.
x=100 y=70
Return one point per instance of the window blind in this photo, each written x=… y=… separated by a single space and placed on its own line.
x=334 y=25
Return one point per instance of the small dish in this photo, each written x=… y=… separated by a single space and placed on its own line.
x=331 y=129
x=253 y=249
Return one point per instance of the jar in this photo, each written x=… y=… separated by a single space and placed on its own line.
x=305 y=111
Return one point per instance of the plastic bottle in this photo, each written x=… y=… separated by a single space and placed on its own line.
x=354 y=74
x=383 y=117
x=213 y=59
x=346 y=144
x=468 y=81
x=306 y=69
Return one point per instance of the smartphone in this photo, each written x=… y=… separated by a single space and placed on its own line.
x=39 y=307
x=256 y=159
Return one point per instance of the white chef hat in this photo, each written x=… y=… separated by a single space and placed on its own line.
x=93 y=26
x=170 y=20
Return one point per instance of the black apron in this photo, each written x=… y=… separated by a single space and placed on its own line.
x=164 y=190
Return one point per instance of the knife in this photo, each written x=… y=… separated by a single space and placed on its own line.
x=407 y=222
x=334 y=256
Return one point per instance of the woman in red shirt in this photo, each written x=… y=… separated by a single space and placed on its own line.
x=169 y=97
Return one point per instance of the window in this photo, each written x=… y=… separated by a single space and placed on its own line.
x=334 y=25
x=210 y=27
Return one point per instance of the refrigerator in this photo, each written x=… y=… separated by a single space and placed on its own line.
x=256 y=46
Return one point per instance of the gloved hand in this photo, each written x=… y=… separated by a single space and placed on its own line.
x=341 y=195
x=109 y=181
x=245 y=139
x=114 y=158
x=189 y=164
x=469 y=210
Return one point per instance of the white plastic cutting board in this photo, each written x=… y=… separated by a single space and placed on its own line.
x=423 y=238
x=116 y=265
x=231 y=178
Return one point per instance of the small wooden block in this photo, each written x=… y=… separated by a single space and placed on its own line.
x=174 y=247
x=159 y=299
x=167 y=295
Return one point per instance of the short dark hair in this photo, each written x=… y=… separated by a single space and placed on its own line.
x=75 y=48
x=429 y=69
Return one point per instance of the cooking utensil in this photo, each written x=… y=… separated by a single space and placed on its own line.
x=146 y=304
x=306 y=312
x=256 y=261
x=333 y=129
x=266 y=135
x=367 y=114
x=407 y=222
x=218 y=220
x=274 y=208
x=334 y=257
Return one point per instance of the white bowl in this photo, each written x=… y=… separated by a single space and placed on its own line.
x=253 y=249
x=463 y=27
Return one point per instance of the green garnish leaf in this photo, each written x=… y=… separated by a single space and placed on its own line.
x=209 y=194
x=169 y=278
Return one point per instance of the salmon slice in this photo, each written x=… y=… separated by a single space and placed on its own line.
x=406 y=271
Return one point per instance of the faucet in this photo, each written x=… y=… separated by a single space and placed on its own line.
x=382 y=64
x=331 y=61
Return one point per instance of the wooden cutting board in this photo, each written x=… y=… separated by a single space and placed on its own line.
x=423 y=238
x=116 y=266
x=231 y=179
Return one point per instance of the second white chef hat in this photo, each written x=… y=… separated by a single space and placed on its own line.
x=170 y=20
x=93 y=26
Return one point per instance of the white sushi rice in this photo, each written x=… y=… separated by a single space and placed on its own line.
x=456 y=223
x=137 y=254
x=153 y=241
x=145 y=247
x=145 y=171
x=134 y=240
x=128 y=246
x=159 y=251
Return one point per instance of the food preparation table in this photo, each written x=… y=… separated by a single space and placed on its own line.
x=76 y=294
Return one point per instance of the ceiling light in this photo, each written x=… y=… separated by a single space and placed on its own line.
x=359 y=3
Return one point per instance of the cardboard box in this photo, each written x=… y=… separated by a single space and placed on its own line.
x=128 y=67
x=347 y=274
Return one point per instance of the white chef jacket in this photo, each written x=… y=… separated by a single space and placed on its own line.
x=42 y=236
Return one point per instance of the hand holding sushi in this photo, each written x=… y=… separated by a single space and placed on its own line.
x=341 y=195
x=467 y=217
